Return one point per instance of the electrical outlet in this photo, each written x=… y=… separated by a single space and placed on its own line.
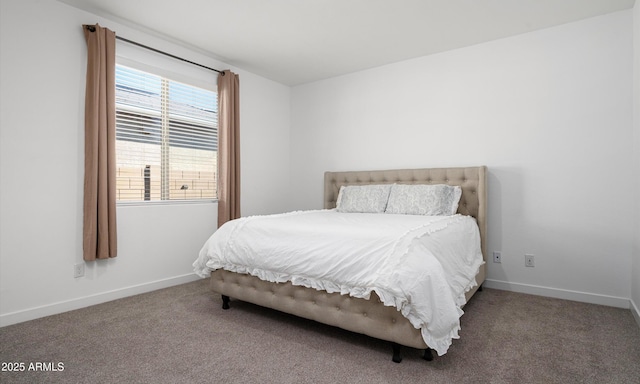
x=78 y=270
x=529 y=261
x=497 y=257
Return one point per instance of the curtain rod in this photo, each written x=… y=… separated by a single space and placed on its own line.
x=93 y=29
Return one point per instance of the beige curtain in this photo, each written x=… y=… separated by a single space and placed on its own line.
x=228 y=147
x=99 y=229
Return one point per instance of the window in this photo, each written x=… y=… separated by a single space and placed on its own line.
x=166 y=138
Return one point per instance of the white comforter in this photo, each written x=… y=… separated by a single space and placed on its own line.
x=422 y=265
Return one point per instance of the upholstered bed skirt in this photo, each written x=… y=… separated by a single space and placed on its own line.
x=369 y=317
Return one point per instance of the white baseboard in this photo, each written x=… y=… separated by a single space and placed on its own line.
x=611 y=301
x=69 y=305
x=636 y=312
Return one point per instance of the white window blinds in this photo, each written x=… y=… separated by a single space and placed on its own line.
x=166 y=138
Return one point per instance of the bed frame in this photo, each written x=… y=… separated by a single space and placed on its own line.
x=369 y=317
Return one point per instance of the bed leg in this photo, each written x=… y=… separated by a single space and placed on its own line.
x=480 y=288
x=225 y=302
x=428 y=354
x=397 y=353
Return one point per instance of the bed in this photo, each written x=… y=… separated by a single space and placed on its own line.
x=371 y=313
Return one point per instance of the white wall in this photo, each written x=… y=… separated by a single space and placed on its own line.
x=42 y=74
x=635 y=289
x=550 y=114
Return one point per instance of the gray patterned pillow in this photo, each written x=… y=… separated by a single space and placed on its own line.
x=420 y=199
x=363 y=198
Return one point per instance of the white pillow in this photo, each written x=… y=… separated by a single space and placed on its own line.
x=421 y=199
x=363 y=198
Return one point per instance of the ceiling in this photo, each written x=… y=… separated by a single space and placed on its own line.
x=300 y=41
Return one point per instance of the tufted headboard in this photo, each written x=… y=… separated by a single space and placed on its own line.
x=473 y=181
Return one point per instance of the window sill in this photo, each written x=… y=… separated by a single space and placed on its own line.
x=164 y=202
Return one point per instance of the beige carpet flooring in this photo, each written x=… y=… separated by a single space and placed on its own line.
x=181 y=335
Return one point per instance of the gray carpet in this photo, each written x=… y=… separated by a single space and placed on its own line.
x=181 y=335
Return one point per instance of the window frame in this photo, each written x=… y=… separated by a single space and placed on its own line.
x=174 y=70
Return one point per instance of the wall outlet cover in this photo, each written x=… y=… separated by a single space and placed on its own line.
x=529 y=261
x=78 y=270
